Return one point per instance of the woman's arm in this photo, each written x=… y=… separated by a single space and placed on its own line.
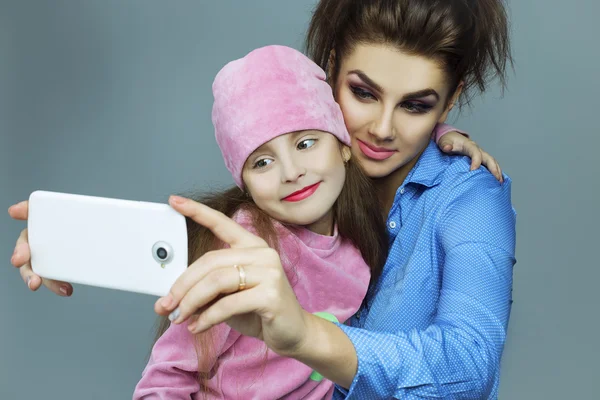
x=459 y=354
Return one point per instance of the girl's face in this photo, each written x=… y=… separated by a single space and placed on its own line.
x=391 y=102
x=297 y=177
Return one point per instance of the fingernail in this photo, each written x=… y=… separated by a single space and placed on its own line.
x=64 y=290
x=192 y=326
x=174 y=315
x=177 y=199
x=166 y=301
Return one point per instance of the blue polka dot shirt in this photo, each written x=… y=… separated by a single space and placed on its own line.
x=435 y=324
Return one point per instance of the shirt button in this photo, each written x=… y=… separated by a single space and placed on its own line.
x=392 y=224
x=402 y=191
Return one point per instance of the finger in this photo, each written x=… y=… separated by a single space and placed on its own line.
x=490 y=164
x=19 y=211
x=476 y=156
x=22 y=259
x=21 y=254
x=445 y=144
x=458 y=147
x=239 y=303
x=213 y=260
x=223 y=227
x=500 y=177
x=222 y=281
x=60 y=288
x=34 y=282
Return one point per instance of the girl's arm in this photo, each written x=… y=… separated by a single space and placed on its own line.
x=172 y=368
x=172 y=371
x=454 y=141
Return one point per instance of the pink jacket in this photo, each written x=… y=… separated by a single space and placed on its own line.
x=327 y=274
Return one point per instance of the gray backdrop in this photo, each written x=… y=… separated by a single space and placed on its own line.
x=113 y=98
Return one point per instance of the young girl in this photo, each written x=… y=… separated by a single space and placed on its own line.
x=283 y=139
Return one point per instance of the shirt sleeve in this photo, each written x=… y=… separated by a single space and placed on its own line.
x=172 y=371
x=441 y=129
x=458 y=355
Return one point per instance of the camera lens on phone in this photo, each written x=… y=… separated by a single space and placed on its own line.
x=162 y=253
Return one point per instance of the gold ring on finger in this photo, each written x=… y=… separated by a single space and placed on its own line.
x=242 y=272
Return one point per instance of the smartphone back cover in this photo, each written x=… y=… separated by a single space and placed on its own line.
x=105 y=242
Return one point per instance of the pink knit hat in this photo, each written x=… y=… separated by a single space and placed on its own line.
x=272 y=91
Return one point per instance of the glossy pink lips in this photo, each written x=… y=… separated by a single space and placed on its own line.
x=303 y=193
x=375 y=153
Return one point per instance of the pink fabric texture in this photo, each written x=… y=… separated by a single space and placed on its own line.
x=441 y=129
x=327 y=274
x=271 y=91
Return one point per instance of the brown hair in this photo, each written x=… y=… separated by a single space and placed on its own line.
x=357 y=214
x=468 y=37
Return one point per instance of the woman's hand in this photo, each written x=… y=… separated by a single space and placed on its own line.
x=266 y=309
x=21 y=257
x=456 y=143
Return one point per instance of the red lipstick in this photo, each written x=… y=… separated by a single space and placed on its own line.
x=302 y=193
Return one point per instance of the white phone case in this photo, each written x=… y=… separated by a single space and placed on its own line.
x=106 y=242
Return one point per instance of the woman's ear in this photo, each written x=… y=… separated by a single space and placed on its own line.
x=452 y=102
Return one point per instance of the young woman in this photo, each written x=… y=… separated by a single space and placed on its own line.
x=434 y=325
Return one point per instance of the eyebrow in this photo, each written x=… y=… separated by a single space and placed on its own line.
x=412 y=95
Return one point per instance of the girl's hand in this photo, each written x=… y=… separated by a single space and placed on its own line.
x=456 y=143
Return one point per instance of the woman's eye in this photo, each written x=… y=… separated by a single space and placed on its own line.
x=416 y=107
x=305 y=144
x=263 y=162
x=361 y=93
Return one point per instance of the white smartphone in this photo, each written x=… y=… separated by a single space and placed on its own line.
x=119 y=244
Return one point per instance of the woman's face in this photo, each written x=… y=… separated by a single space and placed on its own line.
x=391 y=102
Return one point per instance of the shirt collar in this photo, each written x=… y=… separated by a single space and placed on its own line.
x=429 y=168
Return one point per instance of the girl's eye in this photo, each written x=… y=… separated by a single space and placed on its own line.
x=361 y=93
x=307 y=143
x=263 y=162
x=416 y=107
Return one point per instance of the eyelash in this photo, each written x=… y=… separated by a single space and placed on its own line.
x=361 y=93
x=256 y=166
x=306 y=140
x=413 y=107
